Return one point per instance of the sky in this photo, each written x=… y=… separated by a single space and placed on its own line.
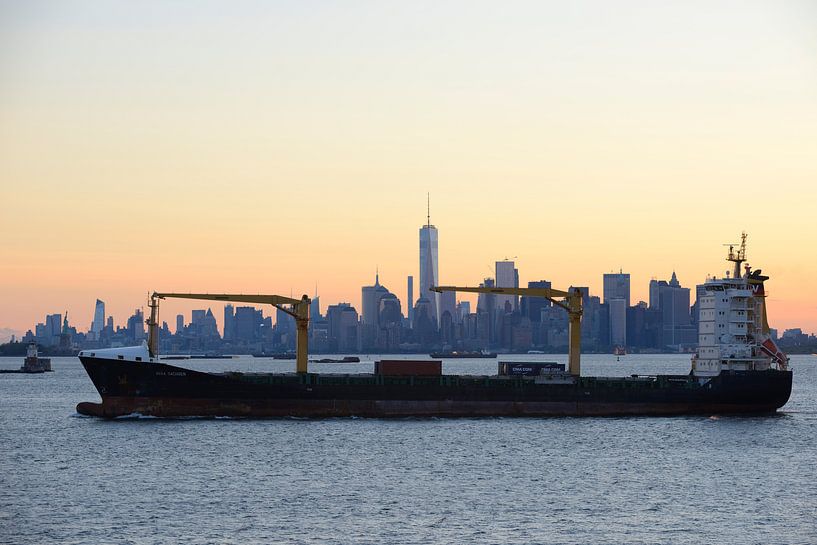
x=269 y=147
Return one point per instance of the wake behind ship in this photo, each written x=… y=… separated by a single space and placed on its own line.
x=737 y=369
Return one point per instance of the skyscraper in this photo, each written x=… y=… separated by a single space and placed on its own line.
x=618 y=321
x=390 y=313
x=136 y=326
x=410 y=295
x=344 y=333
x=429 y=271
x=448 y=303
x=229 y=322
x=370 y=301
x=284 y=323
x=655 y=297
x=507 y=276
x=244 y=324
x=485 y=301
x=53 y=326
x=617 y=296
x=674 y=306
x=315 y=308
x=208 y=325
x=197 y=317
x=463 y=310
x=486 y=312
x=247 y=325
x=99 y=320
x=531 y=307
x=617 y=286
x=179 y=323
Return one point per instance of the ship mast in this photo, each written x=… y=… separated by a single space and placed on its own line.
x=737 y=257
x=153 y=327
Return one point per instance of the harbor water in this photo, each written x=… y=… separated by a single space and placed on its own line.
x=70 y=479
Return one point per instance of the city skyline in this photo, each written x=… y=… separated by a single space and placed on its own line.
x=618 y=288
x=302 y=155
x=641 y=291
x=667 y=323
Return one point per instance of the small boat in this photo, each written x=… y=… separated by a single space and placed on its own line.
x=619 y=351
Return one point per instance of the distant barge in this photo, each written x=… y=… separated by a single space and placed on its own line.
x=455 y=354
x=737 y=369
x=344 y=359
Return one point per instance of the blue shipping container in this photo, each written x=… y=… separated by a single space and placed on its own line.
x=507 y=368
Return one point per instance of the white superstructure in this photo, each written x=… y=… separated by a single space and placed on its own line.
x=733 y=333
x=139 y=353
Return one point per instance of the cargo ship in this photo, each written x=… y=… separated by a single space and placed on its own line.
x=737 y=369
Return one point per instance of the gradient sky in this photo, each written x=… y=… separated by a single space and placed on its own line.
x=267 y=146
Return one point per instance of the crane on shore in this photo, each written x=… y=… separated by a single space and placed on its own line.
x=571 y=301
x=297 y=308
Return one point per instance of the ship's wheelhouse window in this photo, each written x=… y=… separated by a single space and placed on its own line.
x=121 y=357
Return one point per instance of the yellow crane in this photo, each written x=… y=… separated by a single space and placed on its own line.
x=297 y=308
x=571 y=302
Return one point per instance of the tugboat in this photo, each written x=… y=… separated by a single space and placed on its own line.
x=738 y=369
x=33 y=363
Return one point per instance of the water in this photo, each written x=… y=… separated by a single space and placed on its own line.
x=712 y=479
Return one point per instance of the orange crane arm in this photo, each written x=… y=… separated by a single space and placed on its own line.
x=572 y=304
x=299 y=310
x=547 y=293
x=236 y=298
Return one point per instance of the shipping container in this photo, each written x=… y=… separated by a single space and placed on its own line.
x=408 y=367
x=507 y=368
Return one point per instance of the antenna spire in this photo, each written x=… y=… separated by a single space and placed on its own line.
x=428 y=209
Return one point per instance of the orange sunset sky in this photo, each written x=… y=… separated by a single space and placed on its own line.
x=269 y=146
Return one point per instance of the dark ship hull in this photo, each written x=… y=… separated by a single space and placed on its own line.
x=157 y=389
